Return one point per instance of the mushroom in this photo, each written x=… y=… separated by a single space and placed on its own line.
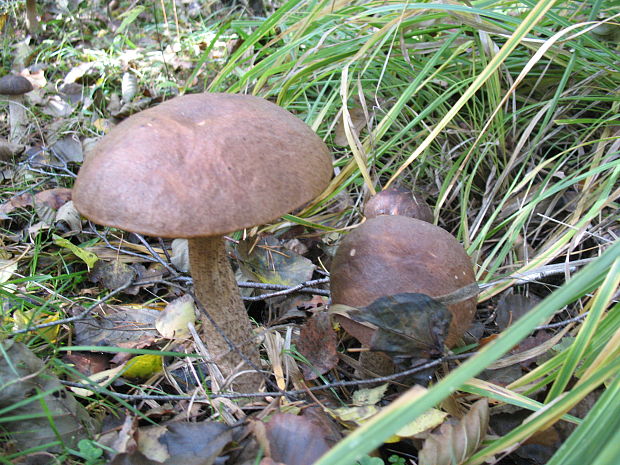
x=389 y=255
x=398 y=201
x=200 y=166
x=14 y=86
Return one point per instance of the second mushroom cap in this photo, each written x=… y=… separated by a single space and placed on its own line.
x=389 y=255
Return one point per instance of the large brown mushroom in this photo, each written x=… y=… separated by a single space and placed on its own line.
x=389 y=255
x=197 y=167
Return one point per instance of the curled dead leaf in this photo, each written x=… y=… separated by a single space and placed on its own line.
x=455 y=443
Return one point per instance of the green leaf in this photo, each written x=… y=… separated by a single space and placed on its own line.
x=87 y=257
x=128 y=18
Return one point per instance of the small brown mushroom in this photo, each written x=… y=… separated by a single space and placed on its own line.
x=200 y=166
x=14 y=86
x=398 y=201
x=389 y=255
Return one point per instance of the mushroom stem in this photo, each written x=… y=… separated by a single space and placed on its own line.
x=32 y=21
x=216 y=289
x=17 y=119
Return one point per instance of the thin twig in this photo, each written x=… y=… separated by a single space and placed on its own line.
x=562 y=323
x=303 y=287
x=100 y=390
x=155 y=255
x=540 y=273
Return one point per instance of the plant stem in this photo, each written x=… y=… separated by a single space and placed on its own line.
x=216 y=289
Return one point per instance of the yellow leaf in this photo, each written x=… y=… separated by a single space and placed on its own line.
x=143 y=366
x=87 y=257
x=428 y=420
x=355 y=415
x=369 y=396
x=23 y=319
x=172 y=322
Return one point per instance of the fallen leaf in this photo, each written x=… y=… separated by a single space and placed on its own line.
x=117 y=326
x=23 y=319
x=57 y=107
x=317 y=343
x=358 y=118
x=269 y=262
x=425 y=422
x=9 y=150
x=130 y=108
x=79 y=71
x=142 y=367
x=180 y=255
x=68 y=149
x=129 y=86
x=408 y=325
x=68 y=217
x=363 y=405
x=455 y=443
x=112 y=274
x=538 y=448
x=87 y=257
x=291 y=439
x=184 y=443
x=52 y=198
x=88 y=363
x=73 y=92
x=511 y=307
x=172 y=322
x=7 y=268
x=369 y=396
x=101 y=378
x=37 y=409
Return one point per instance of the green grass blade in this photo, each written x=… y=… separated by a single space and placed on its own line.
x=599 y=432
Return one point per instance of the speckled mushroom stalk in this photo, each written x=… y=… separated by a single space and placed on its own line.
x=216 y=289
x=198 y=167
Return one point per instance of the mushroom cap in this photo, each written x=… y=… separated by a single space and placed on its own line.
x=12 y=84
x=202 y=165
x=398 y=201
x=389 y=255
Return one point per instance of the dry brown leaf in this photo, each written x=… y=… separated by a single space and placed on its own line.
x=43 y=411
x=511 y=307
x=317 y=343
x=455 y=443
x=358 y=118
x=69 y=149
x=8 y=150
x=113 y=274
x=52 y=198
x=291 y=439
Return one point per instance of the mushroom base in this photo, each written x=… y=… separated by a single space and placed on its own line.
x=216 y=289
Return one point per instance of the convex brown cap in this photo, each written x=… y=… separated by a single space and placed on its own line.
x=12 y=84
x=202 y=165
x=389 y=255
x=398 y=201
